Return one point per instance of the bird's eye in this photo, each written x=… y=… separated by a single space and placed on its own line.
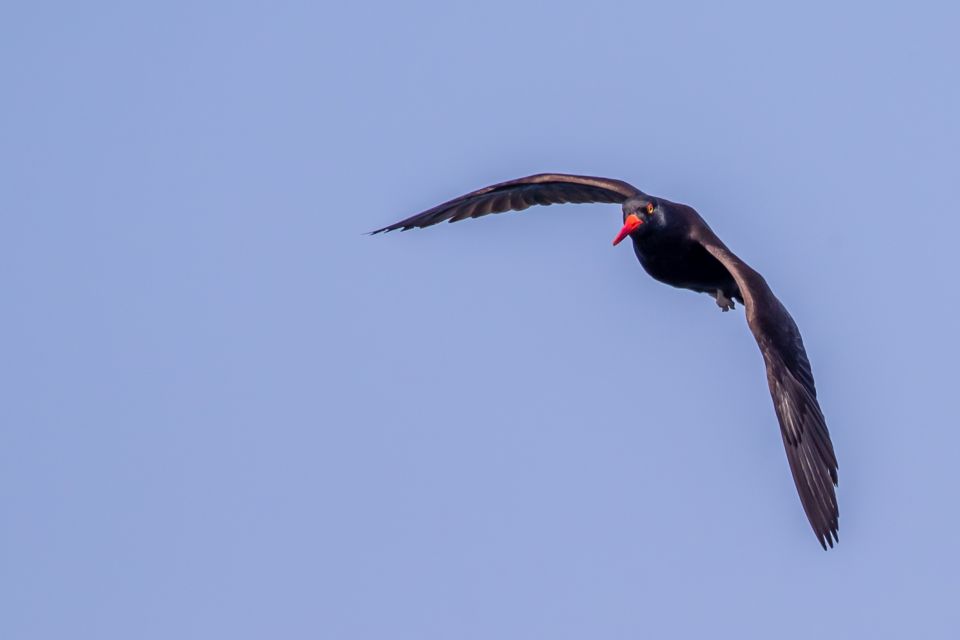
x=650 y=208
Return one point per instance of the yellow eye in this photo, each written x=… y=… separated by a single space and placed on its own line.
x=650 y=207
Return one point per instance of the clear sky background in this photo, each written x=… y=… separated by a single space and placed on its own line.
x=226 y=413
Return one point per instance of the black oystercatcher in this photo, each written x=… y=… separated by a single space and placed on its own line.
x=675 y=246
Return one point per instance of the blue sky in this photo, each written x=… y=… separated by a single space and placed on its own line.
x=228 y=413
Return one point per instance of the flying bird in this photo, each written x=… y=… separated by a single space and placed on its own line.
x=677 y=247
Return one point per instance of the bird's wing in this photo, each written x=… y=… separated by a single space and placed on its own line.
x=516 y=195
x=805 y=435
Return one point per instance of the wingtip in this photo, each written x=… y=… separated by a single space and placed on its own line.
x=828 y=538
x=393 y=227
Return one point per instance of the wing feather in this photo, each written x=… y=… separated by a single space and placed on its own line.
x=806 y=438
x=517 y=195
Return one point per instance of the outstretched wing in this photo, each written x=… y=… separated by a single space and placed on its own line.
x=805 y=435
x=517 y=195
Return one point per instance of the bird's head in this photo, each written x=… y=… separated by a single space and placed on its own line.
x=640 y=215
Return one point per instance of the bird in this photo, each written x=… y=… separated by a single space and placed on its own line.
x=675 y=246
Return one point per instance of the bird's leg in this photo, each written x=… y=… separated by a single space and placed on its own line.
x=723 y=301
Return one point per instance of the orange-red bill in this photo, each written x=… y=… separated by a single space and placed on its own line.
x=631 y=224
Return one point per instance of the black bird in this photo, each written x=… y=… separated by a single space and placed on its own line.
x=676 y=247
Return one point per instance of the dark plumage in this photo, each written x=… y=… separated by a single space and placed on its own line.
x=675 y=246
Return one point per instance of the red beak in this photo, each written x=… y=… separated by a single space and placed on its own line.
x=631 y=224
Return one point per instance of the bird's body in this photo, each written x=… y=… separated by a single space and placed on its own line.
x=673 y=258
x=677 y=247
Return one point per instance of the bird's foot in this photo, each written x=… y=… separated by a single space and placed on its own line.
x=724 y=302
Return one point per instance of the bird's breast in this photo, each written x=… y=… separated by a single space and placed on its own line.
x=683 y=264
